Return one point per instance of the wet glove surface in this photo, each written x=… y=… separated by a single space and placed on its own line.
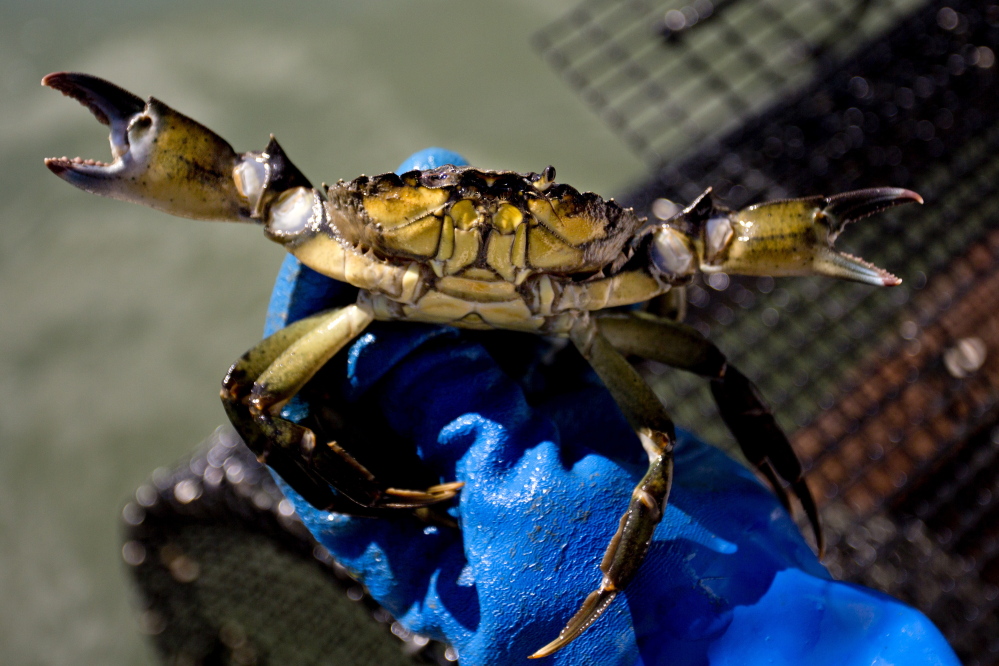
x=549 y=464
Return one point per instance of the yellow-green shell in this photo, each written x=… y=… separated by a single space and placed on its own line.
x=493 y=249
x=474 y=219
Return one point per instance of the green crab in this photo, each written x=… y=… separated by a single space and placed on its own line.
x=476 y=249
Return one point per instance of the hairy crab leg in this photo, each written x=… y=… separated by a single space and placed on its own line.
x=630 y=544
x=267 y=376
x=740 y=404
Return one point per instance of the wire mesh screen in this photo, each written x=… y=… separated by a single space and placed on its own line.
x=228 y=575
x=668 y=75
x=892 y=392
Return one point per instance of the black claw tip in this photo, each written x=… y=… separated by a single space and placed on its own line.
x=106 y=101
x=858 y=204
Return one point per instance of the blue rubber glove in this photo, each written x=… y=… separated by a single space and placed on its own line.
x=549 y=465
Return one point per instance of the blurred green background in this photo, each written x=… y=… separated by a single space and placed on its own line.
x=117 y=323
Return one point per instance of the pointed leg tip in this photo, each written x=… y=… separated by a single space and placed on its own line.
x=593 y=607
x=553 y=647
x=549 y=649
x=820 y=536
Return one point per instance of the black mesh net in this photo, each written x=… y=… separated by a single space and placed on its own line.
x=669 y=76
x=227 y=575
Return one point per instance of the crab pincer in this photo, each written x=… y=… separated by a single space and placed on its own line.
x=167 y=161
x=781 y=238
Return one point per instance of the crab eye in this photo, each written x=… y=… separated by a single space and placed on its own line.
x=545 y=179
x=671 y=252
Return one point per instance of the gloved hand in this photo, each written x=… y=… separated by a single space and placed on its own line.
x=549 y=465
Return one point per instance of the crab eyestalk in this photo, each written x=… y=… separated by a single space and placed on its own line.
x=165 y=160
x=777 y=238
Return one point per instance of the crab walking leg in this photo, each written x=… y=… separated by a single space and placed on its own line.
x=629 y=545
x=267 y=376
x=740 y=404
x=236 y=389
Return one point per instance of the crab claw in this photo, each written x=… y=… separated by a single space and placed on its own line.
x=791 y=237
x=162 y=158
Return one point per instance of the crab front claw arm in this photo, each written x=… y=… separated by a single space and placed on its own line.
x=167 y=161
x=777 y=238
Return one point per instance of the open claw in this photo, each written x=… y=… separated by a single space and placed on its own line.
x=791 y=237
x=165 y=160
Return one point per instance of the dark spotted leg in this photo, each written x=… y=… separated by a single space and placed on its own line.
x=629 y=545
x=236 y=389
x=740 y=404
x=269 y=375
